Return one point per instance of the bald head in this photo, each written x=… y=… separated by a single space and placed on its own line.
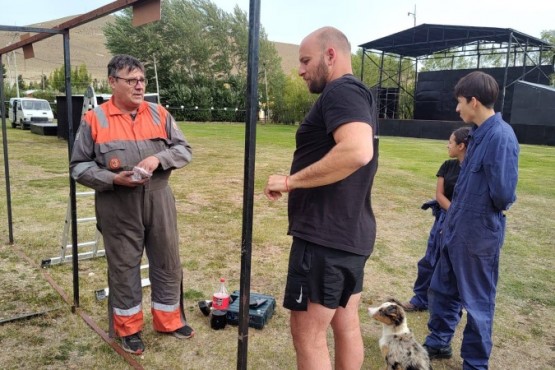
x=328 y=37
x=324 y=55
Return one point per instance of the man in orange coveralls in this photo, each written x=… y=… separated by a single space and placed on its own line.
x=135 y=214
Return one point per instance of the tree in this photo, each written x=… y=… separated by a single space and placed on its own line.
x=21 y=83
x=549 y=55
x=200 y=51
x=294 y=104
x=80 y=79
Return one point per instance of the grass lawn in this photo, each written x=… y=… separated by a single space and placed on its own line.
x=209 y=196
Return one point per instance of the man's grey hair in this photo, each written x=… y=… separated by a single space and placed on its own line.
x=124 y=61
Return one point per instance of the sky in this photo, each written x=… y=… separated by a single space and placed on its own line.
x=289 y=21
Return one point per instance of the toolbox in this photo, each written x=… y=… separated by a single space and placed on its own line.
x=261 y=309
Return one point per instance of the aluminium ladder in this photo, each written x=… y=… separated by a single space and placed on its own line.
x=89 y=102
x=92 y=245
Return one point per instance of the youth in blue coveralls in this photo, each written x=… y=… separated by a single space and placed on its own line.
x=447 y=176
x=474 y=228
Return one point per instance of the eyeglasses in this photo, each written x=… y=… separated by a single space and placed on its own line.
x=133 y=81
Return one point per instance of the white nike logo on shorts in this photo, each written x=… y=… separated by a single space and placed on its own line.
x=300 y=299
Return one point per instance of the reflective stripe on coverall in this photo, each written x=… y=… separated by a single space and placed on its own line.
x=472 y=236
x=131 y=219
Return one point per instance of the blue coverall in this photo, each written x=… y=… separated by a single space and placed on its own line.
x=472 y=236
x=426 y=265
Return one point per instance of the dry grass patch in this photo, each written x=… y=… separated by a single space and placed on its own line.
x=209 y=195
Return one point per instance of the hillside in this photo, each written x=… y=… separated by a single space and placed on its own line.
x=87 y=46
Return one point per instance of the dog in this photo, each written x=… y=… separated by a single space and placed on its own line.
x=397 y=344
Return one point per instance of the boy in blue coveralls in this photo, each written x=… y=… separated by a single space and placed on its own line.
x=474 y=228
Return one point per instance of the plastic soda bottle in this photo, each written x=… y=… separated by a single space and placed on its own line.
x=220 y=299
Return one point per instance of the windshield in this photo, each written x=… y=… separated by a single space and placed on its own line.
x=35 y=105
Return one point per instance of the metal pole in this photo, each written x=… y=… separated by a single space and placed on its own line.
x=267 y=115
x=248 y=187
x=413 y=15
x=505 y=75
x=362 y=65
x=16 y=76
x=6 y=163
x=156 y=77
x=72 y=196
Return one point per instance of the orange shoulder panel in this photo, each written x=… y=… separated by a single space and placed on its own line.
x=110 y=124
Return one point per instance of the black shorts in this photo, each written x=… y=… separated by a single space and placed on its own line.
x=322 y=275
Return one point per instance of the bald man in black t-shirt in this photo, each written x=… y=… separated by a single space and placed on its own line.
x=329 y=206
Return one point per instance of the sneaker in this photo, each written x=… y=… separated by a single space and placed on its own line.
x=133 y=344
x=438 y=353
x=409 y=307
x=184 y=332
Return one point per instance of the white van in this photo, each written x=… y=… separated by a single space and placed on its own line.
x=25 y=111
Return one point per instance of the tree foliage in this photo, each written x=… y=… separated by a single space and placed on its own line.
x=294 y=103
x=549 y=55
x=80 y=79
x=200 y=53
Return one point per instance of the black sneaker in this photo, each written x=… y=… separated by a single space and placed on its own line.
x=439 y=353
x=133 y=344
x=184 y=332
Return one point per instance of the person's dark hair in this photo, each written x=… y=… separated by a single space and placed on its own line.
x=479 y=85
x=461 y=135
x=123 y=61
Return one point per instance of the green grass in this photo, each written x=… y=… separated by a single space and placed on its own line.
x=209 y=198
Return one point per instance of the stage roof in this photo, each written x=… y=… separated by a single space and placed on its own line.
x=427 y=39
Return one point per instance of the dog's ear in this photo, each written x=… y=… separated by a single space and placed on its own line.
x=395 y=313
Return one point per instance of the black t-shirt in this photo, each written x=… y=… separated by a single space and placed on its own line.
x=337 y=215
x=449 y=170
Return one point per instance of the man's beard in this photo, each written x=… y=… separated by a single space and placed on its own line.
x=319 y=82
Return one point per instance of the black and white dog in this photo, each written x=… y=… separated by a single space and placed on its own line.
x=397 y=344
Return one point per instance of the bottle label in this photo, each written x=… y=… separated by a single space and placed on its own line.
x=220 y=301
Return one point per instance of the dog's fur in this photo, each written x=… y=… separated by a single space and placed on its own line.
x=397 y=344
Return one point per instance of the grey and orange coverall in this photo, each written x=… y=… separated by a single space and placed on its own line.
x=130 y=219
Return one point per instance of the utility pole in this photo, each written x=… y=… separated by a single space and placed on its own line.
x=413 y=15
x=156 y=78
x=16 y=76
x=266 y=116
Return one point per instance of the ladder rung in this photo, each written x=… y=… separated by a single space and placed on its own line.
x=85 y=219
x=83 y=193
x=81 y=256
x=83 y=244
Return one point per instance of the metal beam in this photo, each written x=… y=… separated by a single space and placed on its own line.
x=29 y=29
x=75 y=22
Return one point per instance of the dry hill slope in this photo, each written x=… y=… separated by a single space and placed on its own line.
x=87 y=47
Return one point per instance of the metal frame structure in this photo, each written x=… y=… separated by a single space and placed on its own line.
x=432 y=41
x=143 y=13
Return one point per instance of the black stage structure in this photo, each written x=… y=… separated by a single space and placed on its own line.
x=402 y=81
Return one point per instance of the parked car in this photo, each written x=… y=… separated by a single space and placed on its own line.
x=25 y=111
